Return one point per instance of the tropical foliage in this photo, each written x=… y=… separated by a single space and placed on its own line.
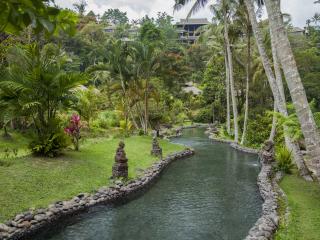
x=126 y=77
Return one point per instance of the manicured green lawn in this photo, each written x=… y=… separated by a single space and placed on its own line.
x=36 y=182
x=304 y=204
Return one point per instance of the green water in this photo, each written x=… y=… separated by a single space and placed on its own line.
x=212 y=195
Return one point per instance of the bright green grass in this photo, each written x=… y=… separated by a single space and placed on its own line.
x=36 y=182
x=304 y=204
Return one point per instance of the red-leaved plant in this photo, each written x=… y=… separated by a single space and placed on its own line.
x=73 y=130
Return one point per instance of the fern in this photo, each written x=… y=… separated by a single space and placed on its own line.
x=317 y=119
x=284 y=160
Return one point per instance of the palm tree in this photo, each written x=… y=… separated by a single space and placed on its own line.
x=274 y=122
x=120 y=64
x=297 y=92
x=37 y=86
x=278 y=95
x=80 y=7
x=243 y=20
x=225 y=9
x=227 y=93
x=8 y=112
x=211 y=36
x=222 y=12
x=103 y=77
x=146 y=63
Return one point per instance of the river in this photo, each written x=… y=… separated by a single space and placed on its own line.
x=212 y=195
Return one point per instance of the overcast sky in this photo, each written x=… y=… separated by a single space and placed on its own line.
x=300 y=10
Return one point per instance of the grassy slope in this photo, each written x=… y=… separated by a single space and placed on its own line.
x=304 y=204
x=36 y=182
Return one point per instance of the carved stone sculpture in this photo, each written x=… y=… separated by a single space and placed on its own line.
x=156 y=149
x=120 y=167
x=267 y=152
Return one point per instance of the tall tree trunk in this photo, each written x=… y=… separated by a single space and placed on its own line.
x=213 y=113
x=274 y=85
x=274 y=122
x=233 y=94
x=248 y=72
x=277 y=70
x=133 y=120
x=6 y=133
x=140 y=114
x=125 y=103
x=290 y=143
x=146 y=109
x=297 y=92
x=227 y=93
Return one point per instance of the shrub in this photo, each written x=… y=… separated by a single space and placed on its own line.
x=107 y=120
x=73 y=130
x=223 y=133
x=203 y=116
x=181 y=118
x=125 y=127
x=50 y=146
x=140 y=132
x=50 y=141
x=284 y=160
x=258 y=130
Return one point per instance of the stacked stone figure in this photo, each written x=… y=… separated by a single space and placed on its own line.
x=156 y=149
x=120 y=167
x=267 y=152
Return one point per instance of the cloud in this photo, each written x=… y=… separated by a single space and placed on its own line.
x=299 y=10
x=136 y=5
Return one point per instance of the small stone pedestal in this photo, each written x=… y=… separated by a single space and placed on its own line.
x=156 y=149
x=120 y=167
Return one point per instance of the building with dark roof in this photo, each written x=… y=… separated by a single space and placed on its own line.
x=297 y=31
x=187 y=28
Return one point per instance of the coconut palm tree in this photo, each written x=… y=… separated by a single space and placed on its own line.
x=211 y=36
x=278 y=95
x=297 y=92
x=242 y=19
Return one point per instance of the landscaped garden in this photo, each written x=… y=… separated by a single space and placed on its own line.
x=35 y=182
x=90 y=96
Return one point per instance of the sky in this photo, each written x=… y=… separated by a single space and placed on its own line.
x=300 y=10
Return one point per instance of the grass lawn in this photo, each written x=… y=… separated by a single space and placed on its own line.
x=304 y=204
x=31 y=182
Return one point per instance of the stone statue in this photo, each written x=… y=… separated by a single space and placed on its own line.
x=120 y=167
x=156 y=149
x=267 y=152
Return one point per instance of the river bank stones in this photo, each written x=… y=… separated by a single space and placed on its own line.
x=268 y=223
x=28 y=223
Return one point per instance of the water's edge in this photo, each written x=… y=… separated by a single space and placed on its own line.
x=266 y=226
x=268 y=223
x=27 y=225
x=30 y=224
